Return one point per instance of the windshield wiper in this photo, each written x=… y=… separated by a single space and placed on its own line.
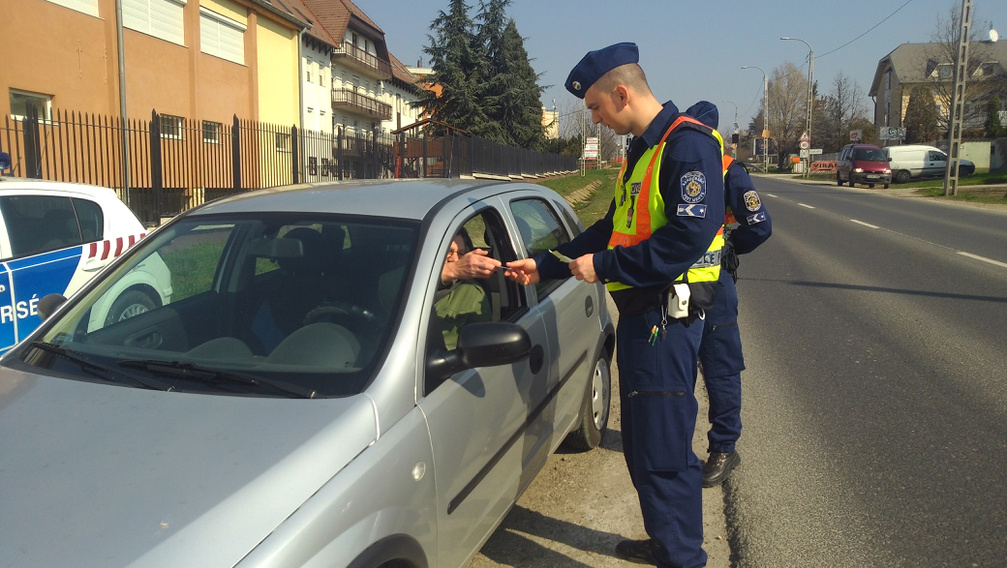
x=210 y=375
x=103 y=372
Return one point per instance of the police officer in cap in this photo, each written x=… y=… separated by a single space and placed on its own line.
x=658 y=250
x=720 y=354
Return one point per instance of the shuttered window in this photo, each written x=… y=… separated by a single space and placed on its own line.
x=159 y=18
x=89 y=7
x=221 y=36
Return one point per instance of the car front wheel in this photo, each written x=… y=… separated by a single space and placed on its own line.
x=839 y=180
x=594 y=409
x=129 y=304
x=902 y=176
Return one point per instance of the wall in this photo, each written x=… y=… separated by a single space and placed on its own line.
x=278 y=81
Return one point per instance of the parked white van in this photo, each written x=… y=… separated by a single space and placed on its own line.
x=921 y=161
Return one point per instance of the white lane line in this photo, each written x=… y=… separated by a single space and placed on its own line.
x=803 y=205
x=984 y=259
x=868 y=225
x=771 y=195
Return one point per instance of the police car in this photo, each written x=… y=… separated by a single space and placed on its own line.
x=54 y=237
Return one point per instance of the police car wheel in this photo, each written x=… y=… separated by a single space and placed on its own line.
x=594 y=411
x=130 y=303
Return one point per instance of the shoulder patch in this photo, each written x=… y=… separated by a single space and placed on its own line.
x=756 y=219
x=693 y=186
x=752 y=201
x=698 y=210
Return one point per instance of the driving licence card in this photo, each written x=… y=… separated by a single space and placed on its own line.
x=562 y=257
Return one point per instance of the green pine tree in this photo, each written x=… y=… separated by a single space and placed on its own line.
x=519 y=105
x=459 y=69
x=994 y=128
x=921 y=116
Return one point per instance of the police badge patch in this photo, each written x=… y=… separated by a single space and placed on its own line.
x=752 y=201
x=693 y=187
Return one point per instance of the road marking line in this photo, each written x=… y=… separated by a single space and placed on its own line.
x=984 y=259
x=771 y=195
x=803 y=205
x=865 y=224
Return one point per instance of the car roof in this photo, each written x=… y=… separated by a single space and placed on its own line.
x=22 y=185
x=403 y=199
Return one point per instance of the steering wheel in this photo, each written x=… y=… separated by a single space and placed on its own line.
x=340 y=309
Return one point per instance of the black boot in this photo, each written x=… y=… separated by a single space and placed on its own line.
x=639 y=551
x=718 y=467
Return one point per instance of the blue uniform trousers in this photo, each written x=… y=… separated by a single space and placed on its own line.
x=722 y=360
x=657 y=390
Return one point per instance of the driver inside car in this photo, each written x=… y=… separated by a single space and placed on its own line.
x=460 y=299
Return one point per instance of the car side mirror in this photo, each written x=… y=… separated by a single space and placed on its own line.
x=4 y=162
x=485 y=344
x=49 y=304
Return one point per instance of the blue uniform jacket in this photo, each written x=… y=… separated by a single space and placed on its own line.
x=754 y=224
x=673 y=248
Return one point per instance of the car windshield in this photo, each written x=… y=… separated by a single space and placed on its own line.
x=270 y=305
x=869 y=155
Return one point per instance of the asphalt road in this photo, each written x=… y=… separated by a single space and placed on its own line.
x=875 y=401
x=875 y=404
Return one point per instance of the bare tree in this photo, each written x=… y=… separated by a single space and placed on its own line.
x=981 y=83
x=837 y=112
x=788 y=95
x=575 y=122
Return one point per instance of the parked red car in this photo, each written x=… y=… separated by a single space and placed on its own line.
x=864 y=164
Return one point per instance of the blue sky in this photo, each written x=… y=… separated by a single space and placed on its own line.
x=695 y=51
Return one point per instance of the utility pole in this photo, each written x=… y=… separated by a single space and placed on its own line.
x=765 y=113
x=811 y=95
x=958 y=100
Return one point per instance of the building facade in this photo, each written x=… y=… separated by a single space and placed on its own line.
x=929 y=64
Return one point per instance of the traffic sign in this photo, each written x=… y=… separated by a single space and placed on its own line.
x=815 y=151
x=805 y=144
x=805 y=137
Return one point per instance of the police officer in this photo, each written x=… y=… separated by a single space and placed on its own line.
x=720 y=352
x=658 y=251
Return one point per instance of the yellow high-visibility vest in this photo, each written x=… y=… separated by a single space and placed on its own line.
x=632 y=225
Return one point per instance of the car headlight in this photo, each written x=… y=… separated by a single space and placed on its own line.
x=858 y=170
x=886 y=171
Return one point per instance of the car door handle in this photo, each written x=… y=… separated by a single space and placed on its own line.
x=589 y=305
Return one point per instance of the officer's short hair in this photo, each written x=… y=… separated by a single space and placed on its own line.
x=630 y=75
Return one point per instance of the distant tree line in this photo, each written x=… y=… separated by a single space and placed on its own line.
x=488 y=86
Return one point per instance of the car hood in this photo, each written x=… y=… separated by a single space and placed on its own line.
x=98 y=475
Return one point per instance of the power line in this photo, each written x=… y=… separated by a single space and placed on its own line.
x=868 y=31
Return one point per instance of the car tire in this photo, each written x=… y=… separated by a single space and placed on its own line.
x=130 y=303
x=870 y=186
x=839 y=180
x=902 y=176
x=594 y=409
x=965 y=171
x=886 y=186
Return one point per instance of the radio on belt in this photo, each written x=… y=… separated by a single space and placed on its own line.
x=678 y=300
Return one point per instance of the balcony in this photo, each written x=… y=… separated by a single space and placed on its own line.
x=356 y=103
x=368 y=63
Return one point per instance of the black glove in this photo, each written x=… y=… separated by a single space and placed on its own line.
x=730 y=262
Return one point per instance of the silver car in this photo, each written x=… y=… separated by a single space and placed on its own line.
x=294 y=402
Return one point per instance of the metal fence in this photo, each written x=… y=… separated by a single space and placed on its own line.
x=168 y=164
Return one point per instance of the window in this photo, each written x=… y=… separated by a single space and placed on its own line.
x=159 y=18
x=222 y=37
x=282 y=142
x=541 y=231
x=946 y=72
x=90 y=218
x=21 y=101
x=171 y=126
x=461 y=302
x=211 y=132
x=89 y=7
x=39 y=223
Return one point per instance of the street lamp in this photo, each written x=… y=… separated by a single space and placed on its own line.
x=734 y=132
x=811 y=102
x=765 y=113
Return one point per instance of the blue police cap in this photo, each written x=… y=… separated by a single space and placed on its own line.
x=597 y=63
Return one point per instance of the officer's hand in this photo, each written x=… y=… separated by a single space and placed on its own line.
x=524 y=271
x=582 y=268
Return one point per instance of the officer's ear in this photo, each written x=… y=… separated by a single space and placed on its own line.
x=620 y=96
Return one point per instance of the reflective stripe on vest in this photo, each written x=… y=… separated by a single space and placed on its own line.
x=632 y=225
x=728 y=212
